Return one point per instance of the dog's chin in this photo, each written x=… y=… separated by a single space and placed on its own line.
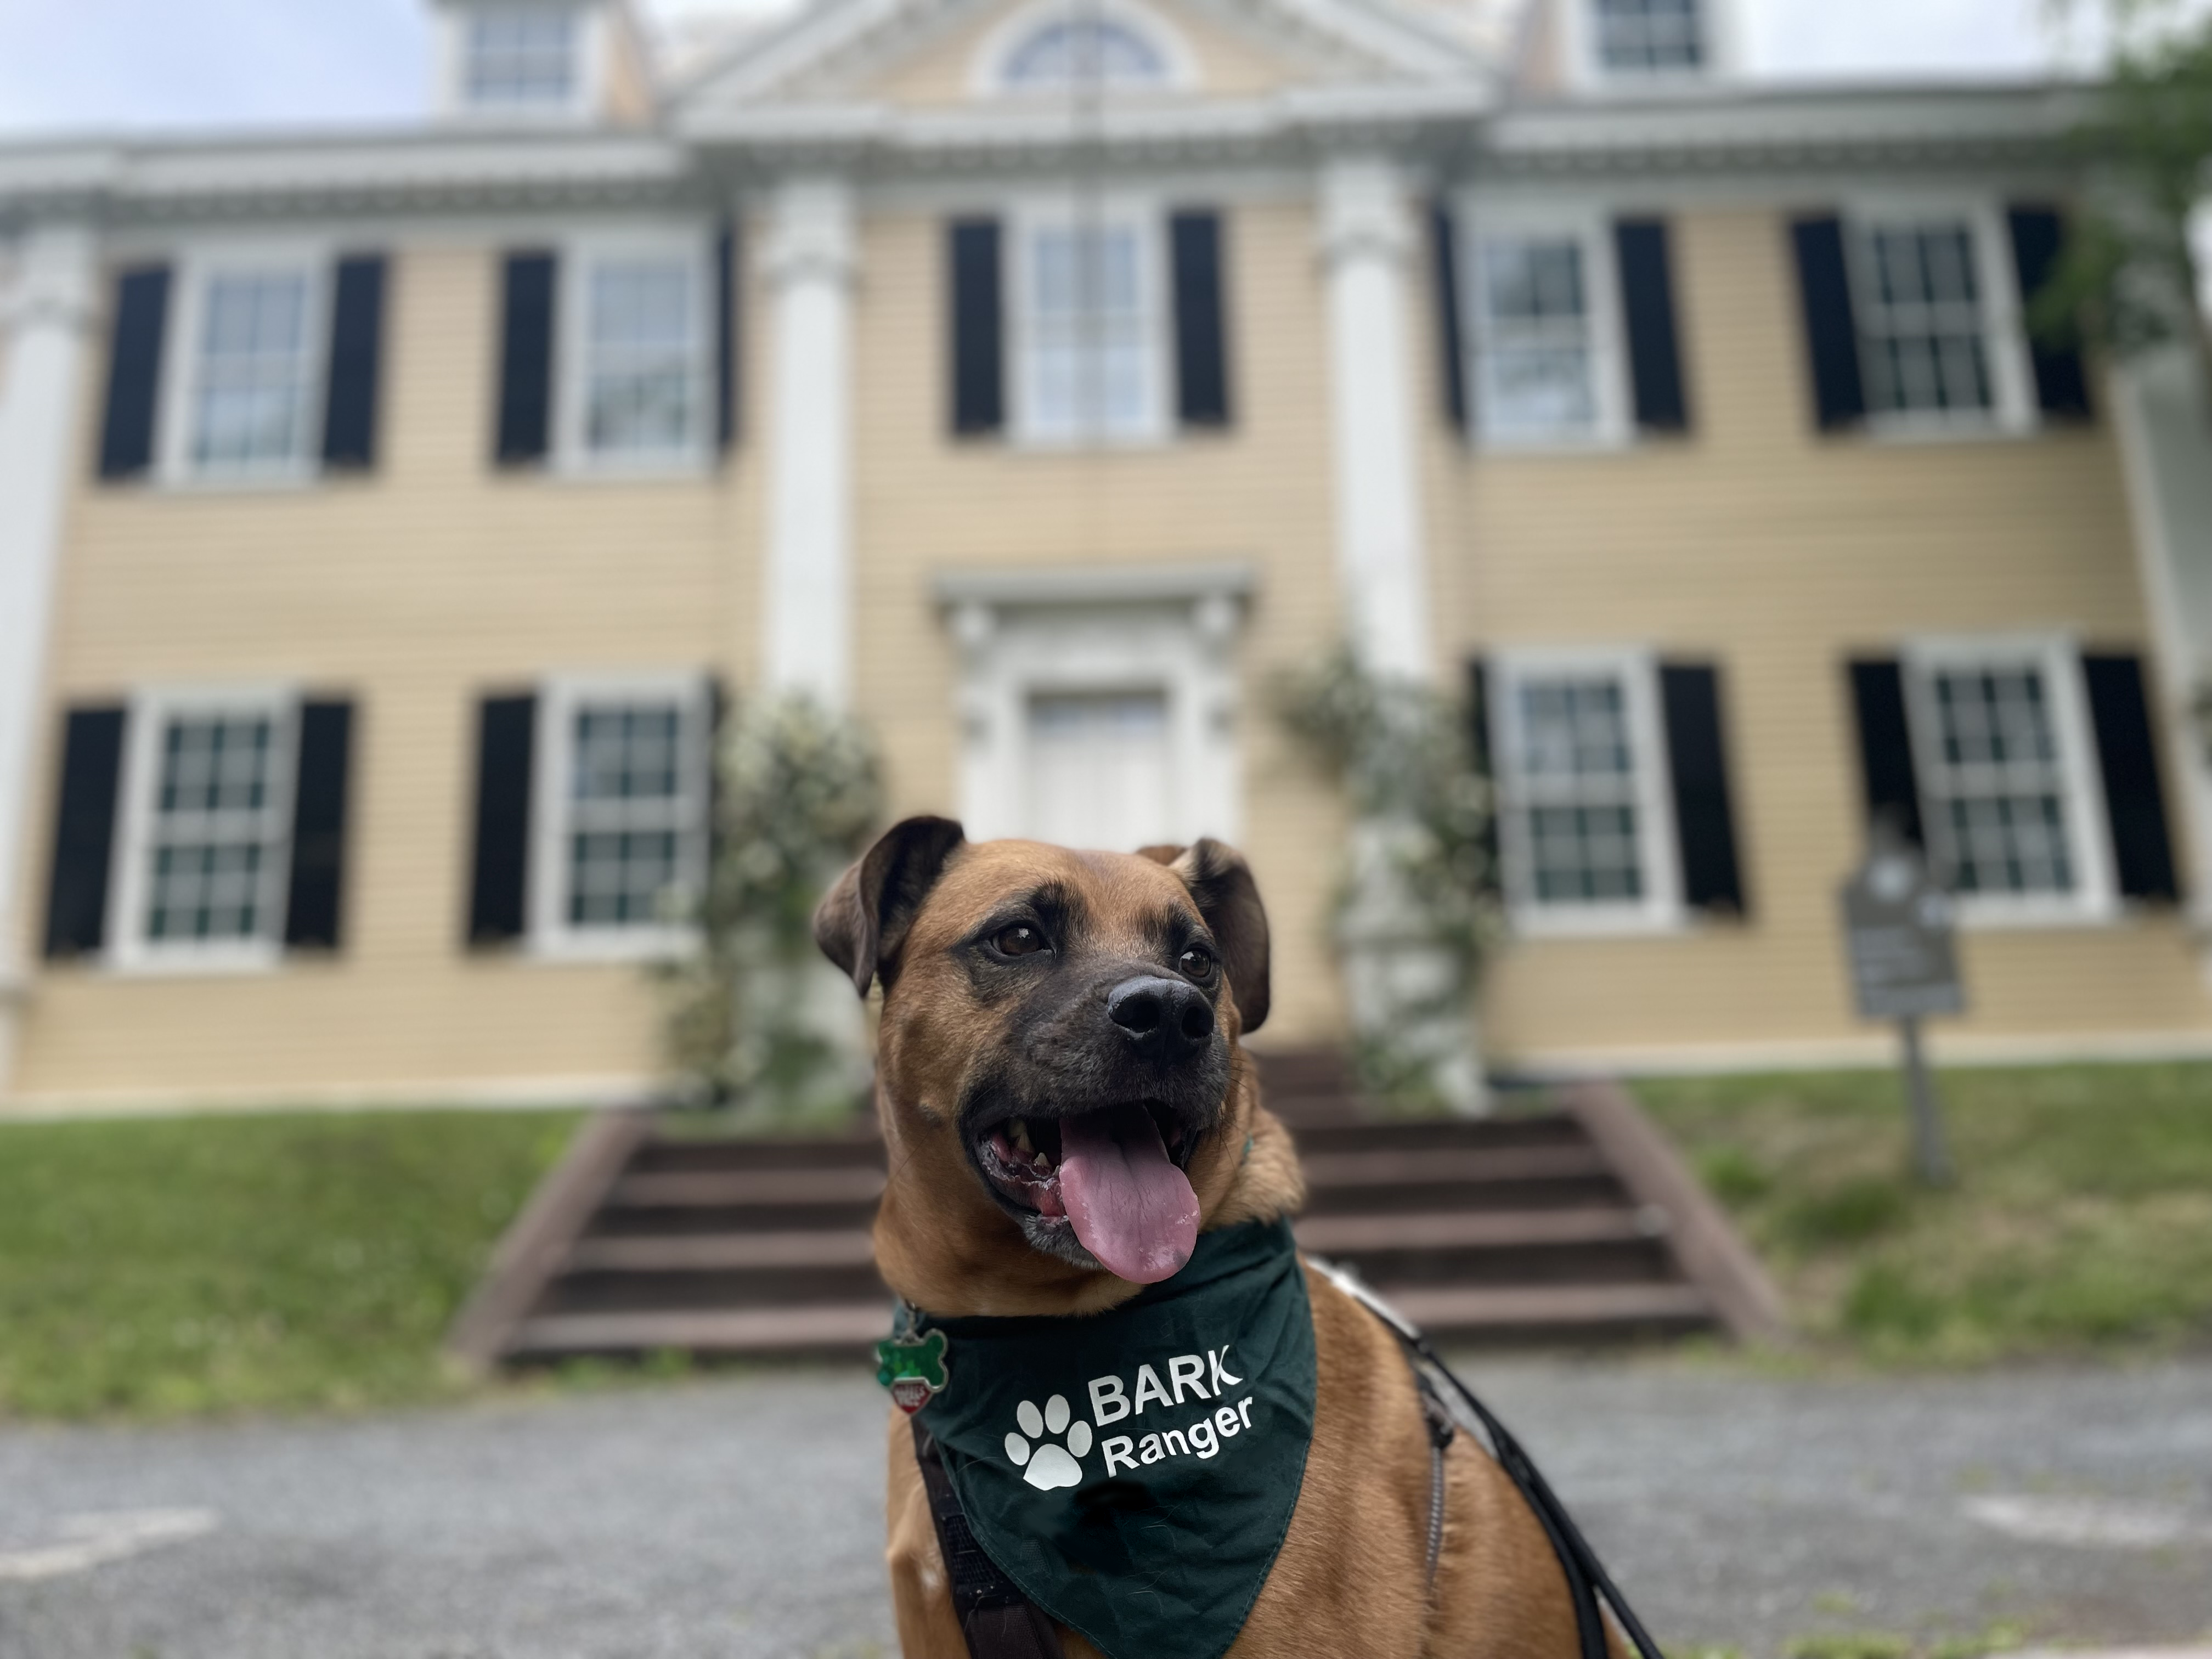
x=1054 y=1236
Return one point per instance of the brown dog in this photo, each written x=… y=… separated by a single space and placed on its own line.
x=1033 y=997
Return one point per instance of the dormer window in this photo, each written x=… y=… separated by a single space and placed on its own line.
x=1649 y=37
x=522 y=58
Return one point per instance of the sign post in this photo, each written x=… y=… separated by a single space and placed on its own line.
x=1905 y=967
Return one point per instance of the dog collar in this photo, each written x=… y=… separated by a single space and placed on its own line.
x=1132 y=1472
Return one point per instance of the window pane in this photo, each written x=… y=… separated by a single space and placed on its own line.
x=1574 y=776
x=522 y=57
x=1085 y=51
x=635 y=813
x=641 y=336
x=1088 y=362
x=1998 y=782
x=255 y=367
x=1925 y=344
x=214 y=829
x=1649 y=35
x=1538 y=370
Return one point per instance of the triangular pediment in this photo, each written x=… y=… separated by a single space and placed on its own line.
x=920 y=54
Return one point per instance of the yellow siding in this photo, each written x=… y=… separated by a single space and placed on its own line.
x=1230 y=64
x=1259 y=493
x=1780 y=554
x=415 y=591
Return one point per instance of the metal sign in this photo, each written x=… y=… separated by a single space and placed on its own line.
x=1905 y=963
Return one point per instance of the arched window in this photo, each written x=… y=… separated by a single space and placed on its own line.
x=1088 y=51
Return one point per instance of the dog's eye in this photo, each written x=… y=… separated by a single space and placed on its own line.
x=1019 y=940
x=1196 y=962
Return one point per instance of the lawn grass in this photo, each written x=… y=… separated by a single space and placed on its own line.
x=2082 y=1220
x=156 y=1268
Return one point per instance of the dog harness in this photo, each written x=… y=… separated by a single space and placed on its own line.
x=1130 y=1472
x=1127 y=1554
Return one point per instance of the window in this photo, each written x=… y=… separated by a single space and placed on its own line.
x=1084 y=51
x=1582 y=772
x=1544 y=370
x=1091 y=332
x=2001 y=744
x=206 y=851
x=643 y=358
x=252 y=403
x=522 y=58
x=1649 y=37
x=622 y=843
x=1923 y=325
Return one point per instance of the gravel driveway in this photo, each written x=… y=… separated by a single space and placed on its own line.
x=741 y=1516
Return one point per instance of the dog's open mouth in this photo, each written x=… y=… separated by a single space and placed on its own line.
x=1115 y=1173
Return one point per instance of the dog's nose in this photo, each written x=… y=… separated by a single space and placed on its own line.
x=1165 y=1018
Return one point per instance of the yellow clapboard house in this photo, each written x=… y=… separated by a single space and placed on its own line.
x=386 y=516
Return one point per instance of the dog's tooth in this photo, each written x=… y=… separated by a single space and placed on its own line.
x=1020 y=1130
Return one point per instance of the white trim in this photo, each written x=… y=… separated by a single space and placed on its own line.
x=1589 y=226
x=580 y=253
x=987 y=70
x=1108 y=631
x=551 y=935
x=128 y=949
x=2013 y=410
x=1956 y=1047
x=1636 y=669
x=1145 y=215
x=196 y=266
x=2095 y=899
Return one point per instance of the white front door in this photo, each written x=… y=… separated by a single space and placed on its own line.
x=1100 y=770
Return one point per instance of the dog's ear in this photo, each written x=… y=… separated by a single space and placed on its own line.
x=862 y=920
x=1221 y=882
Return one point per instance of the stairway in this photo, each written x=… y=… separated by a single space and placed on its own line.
x=1559 y=1226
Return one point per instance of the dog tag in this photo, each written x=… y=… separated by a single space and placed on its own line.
x=914 y=1370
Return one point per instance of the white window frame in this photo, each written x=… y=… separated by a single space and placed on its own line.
x=1612 y=424
x=588 y=86
x=988 y=71
x=551 y=934
x=1146 y=216
x=2058 y=658
x=130 y=948
x=580 y=256
x=195 y=270
x=1722 y=30
x=2013 y=409
x=1661 y=909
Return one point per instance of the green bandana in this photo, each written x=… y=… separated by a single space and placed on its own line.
x=1134 y=1472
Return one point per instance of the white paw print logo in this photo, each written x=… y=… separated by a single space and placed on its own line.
x=1048 y=1465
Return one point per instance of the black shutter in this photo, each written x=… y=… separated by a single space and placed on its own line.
x=506 y=736
x=1451 y=340
x=2061 y=387
x=718 y=718
x=526 y=365
x=1201 y=319
x=1890 y=788
x=1479 y=749
x=1647 y=303
x=978 y=328
x=1704 y=816
x=726 y=337
x=134 y=371
x=84 y=831
x=314 y=907
x=2134 y=800
x=1831 y=334
x=356 y=348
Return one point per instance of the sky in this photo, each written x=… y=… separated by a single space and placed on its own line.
x=74 y=65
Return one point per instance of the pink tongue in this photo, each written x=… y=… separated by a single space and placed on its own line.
x=1132 y=1208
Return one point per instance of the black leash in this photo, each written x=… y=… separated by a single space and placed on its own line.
x=1588 y=1585
x=998 y=1621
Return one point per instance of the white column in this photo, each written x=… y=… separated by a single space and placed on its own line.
x=807 y=613
x=2165 y=433
x=1367 y=238
x=45 y=319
